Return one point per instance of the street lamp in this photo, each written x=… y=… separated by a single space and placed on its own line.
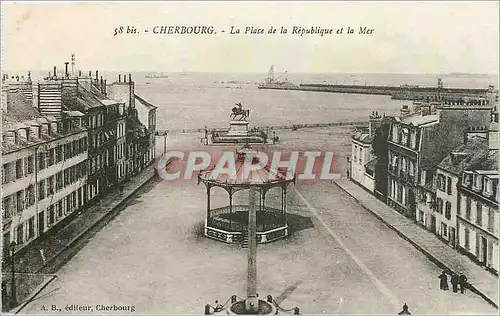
x=165 y=141
x=13 y=298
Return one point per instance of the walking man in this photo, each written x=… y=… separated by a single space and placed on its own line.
x=443 y=283
x=462 y=280
x=454 y=282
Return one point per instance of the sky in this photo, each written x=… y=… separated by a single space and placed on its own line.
x=408 y=37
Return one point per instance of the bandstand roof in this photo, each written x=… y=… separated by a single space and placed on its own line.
x=241 y=177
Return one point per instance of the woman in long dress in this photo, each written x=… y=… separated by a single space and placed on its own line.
x=443 y=283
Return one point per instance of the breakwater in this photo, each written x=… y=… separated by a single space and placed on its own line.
x=404 y=92
x=271 y=127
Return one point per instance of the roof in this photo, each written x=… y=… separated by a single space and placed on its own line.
x=74 y=113
x=18 y=107
x=239 y=177
x=84 y=101
x=475 y=150
x=418 y=120
x=109 y=102
x=364 y=138
x=490 y=162
x=144 y=102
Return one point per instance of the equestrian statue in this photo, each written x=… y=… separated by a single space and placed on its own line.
x=239 y=114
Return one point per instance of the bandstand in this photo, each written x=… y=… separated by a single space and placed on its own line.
x=230 y=223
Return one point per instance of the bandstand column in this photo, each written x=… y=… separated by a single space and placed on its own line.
x=208 y=200
x=230 y=191
x=284 y=203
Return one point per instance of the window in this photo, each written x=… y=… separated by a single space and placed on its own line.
x=477 y=181
x=491 y=219
x=448 y=186
x=441 y=182
x=466 y=179
x=50 y=185
x=19 y=168
x=30 y=164
x=413 y=139
x=31 y=227
x=41 y=160
x=59 y=181
x=30 y=195
x=68 y=204
x=59 y=153
x=439 y=206
x=487 y=186
x=50 y=157
x=467 y=208
x=479 y=217
x=51 y=215
x=20 y=200
x=447 y=213
x=444 y=229
x=41 y=190
x=20 y=234
x=467 y=239
x=60 y=208
x=7 y=207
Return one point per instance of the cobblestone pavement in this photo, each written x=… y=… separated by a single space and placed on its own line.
x=481 y=279
x=153 y=257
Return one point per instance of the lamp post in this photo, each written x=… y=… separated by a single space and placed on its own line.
x=165 y=141
x=13 y=297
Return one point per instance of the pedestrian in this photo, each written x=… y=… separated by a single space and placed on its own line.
x=405 y=310
x=454 y=282
x=462 y=280
x=218 y=307
x=443 y=284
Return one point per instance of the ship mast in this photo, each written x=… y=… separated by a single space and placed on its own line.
x=270 y=75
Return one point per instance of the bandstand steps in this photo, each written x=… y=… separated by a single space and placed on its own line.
x=244 y=241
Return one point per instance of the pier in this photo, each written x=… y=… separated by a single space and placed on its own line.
x=161 y=132
x=404 y=92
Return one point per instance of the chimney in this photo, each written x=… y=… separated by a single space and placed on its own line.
x=96 y=75
x=105 y=88
x=17 y=78
x=55 y=74
x=124 y=78
x=119 y=78
x=90 y=73
x=100 y=85
x=404 y=110
x=129 y=78
x=79 y=73
x=66 y=69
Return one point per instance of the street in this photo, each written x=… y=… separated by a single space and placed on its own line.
x=153 y=257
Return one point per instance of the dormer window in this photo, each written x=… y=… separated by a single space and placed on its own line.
x=477 y=181
x=404 y=136
x=487 y=186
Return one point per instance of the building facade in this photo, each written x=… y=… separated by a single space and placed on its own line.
x=44 y=172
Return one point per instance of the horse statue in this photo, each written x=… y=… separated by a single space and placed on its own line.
x=239 y=114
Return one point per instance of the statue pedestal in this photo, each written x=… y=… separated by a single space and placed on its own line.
x=238 y=128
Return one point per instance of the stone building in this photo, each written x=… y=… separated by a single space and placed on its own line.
x=419 y=140
x=43 y=169
x=362 y=161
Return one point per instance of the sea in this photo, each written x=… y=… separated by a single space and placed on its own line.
x=195 y=100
